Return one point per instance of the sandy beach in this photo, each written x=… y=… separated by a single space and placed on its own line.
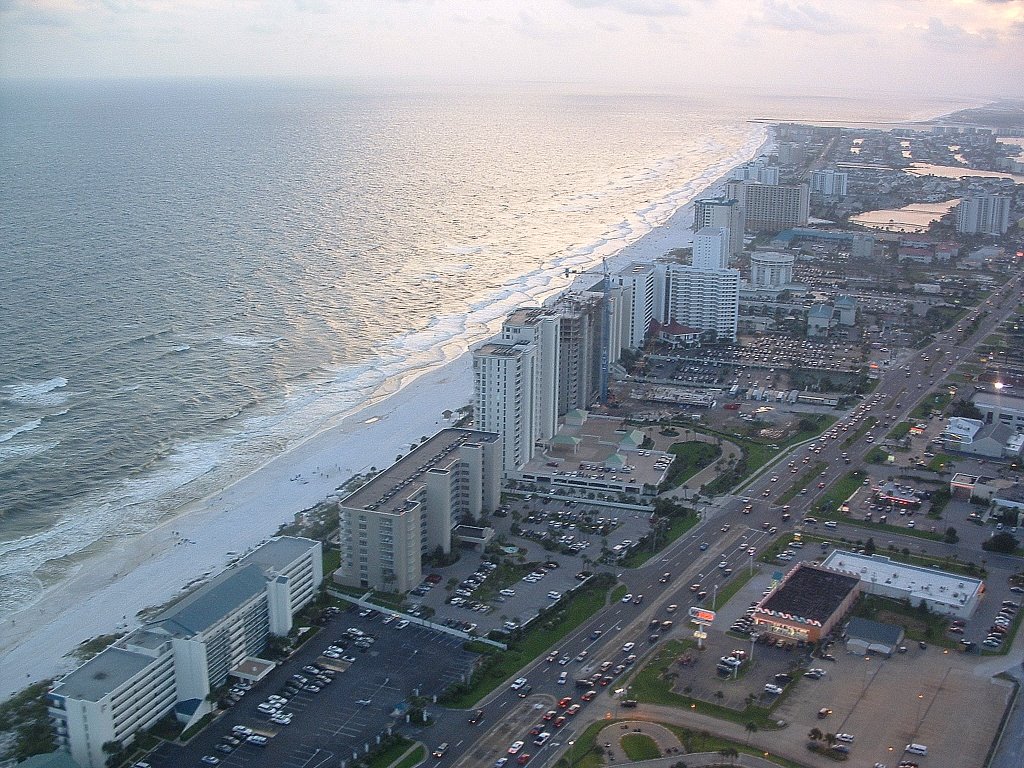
x=142 y=571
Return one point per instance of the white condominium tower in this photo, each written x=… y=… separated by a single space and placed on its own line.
x=757 y=170
x=504 y=386
x=829 y=182
x=721 y=212
x=711 y=248
x=706 y=299
x=540 y=327
x=983 y=215
x=640 y=284
x=771 y=207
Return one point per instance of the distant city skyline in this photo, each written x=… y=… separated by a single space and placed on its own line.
x=967 y=48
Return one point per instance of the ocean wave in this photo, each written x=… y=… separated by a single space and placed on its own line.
x=26 y=427
x=239 y=340
x=25 y=450
x=39 y=393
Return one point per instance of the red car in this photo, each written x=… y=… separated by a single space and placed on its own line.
x=588 y=695
x=560 y=721
x=549 y=715
x=524 y=758
x=564 y=702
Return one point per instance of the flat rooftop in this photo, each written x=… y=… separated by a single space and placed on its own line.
x=279 y=552
x=931 y=583
x=600 y=449
x=809 y=593
x=389 y=490
x=102 y=674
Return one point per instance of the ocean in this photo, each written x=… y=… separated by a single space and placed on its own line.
x=197 y=275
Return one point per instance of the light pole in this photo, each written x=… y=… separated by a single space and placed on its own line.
x=572 y=753
x=714 y=598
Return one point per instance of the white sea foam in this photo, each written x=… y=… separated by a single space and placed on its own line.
x=39 y=393
x=239 y=340
x=26 y=427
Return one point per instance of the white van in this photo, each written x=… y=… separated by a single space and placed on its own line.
x=916 y=749
x=830 y=524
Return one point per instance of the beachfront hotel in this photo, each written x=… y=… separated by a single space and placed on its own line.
x=641 y=285
x=412 y=508
x=721 y=212
x=505 y=384
x=711 y=248
x=771 y=207
x=705 y=299
x=177 y=659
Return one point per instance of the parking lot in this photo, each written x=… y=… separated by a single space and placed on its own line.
x=572 y=531
x=347 y=713
x=918 y=696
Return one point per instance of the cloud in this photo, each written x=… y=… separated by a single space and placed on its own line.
x=636 y=7
x=803 y=17
x=25 y=15
x=937 y=32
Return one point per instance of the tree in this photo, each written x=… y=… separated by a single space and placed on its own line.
x=815 y=734
x=751 y=727
x=869 y=547
x=1005 y=543
x=951 y=536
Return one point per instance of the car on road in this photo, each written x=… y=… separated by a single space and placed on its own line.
x=589 y=695
x=581 y=655
x=628 y=647
x=704 y=545
x=515 y=747
x=518 y=683
x=627 y=598
x=549 y=715
x=440 y=749
x=364 y=702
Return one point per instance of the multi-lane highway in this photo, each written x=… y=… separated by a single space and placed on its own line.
x=700 y=558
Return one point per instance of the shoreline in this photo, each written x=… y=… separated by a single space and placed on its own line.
x=107 y=590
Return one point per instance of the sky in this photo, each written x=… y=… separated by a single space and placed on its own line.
x=962 y=48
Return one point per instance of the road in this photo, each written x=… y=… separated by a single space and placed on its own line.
x=894 y=398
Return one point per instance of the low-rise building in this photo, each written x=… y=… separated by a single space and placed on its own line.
x=941 y=592
x=175 y=661
x=808 y=603
x=864 y=636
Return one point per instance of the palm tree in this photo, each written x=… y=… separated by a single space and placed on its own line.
x=751 y=728
x=815 y=734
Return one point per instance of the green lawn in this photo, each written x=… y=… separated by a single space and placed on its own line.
x=840 y=491
x=544 y=632
x=649 y=685
x=677 y=527
x=637 y=747
x=413 y=758
x=899 y=431
x=331 y=560
x=734 y=584
x=691 y=458
x=390 y=751
x=803 y=480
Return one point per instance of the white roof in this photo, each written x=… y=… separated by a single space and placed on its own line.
x=918 y=582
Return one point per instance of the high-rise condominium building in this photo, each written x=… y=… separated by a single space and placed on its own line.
x=505 y=392
x=771 y=207
x=711 y=248
x=640 y=291
x=771 y=269
x=759 y=171
x=983 y=215
x=721 y=212
x=540 y=327
x=829 y=182
x=706 y=299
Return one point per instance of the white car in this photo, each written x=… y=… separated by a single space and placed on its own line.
x=552 y=595
x=628 y=647
x=514 y=747
x=402 y=624
x=627 y=598
x=518 y=683
x=772 y=688
x=846 y=738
